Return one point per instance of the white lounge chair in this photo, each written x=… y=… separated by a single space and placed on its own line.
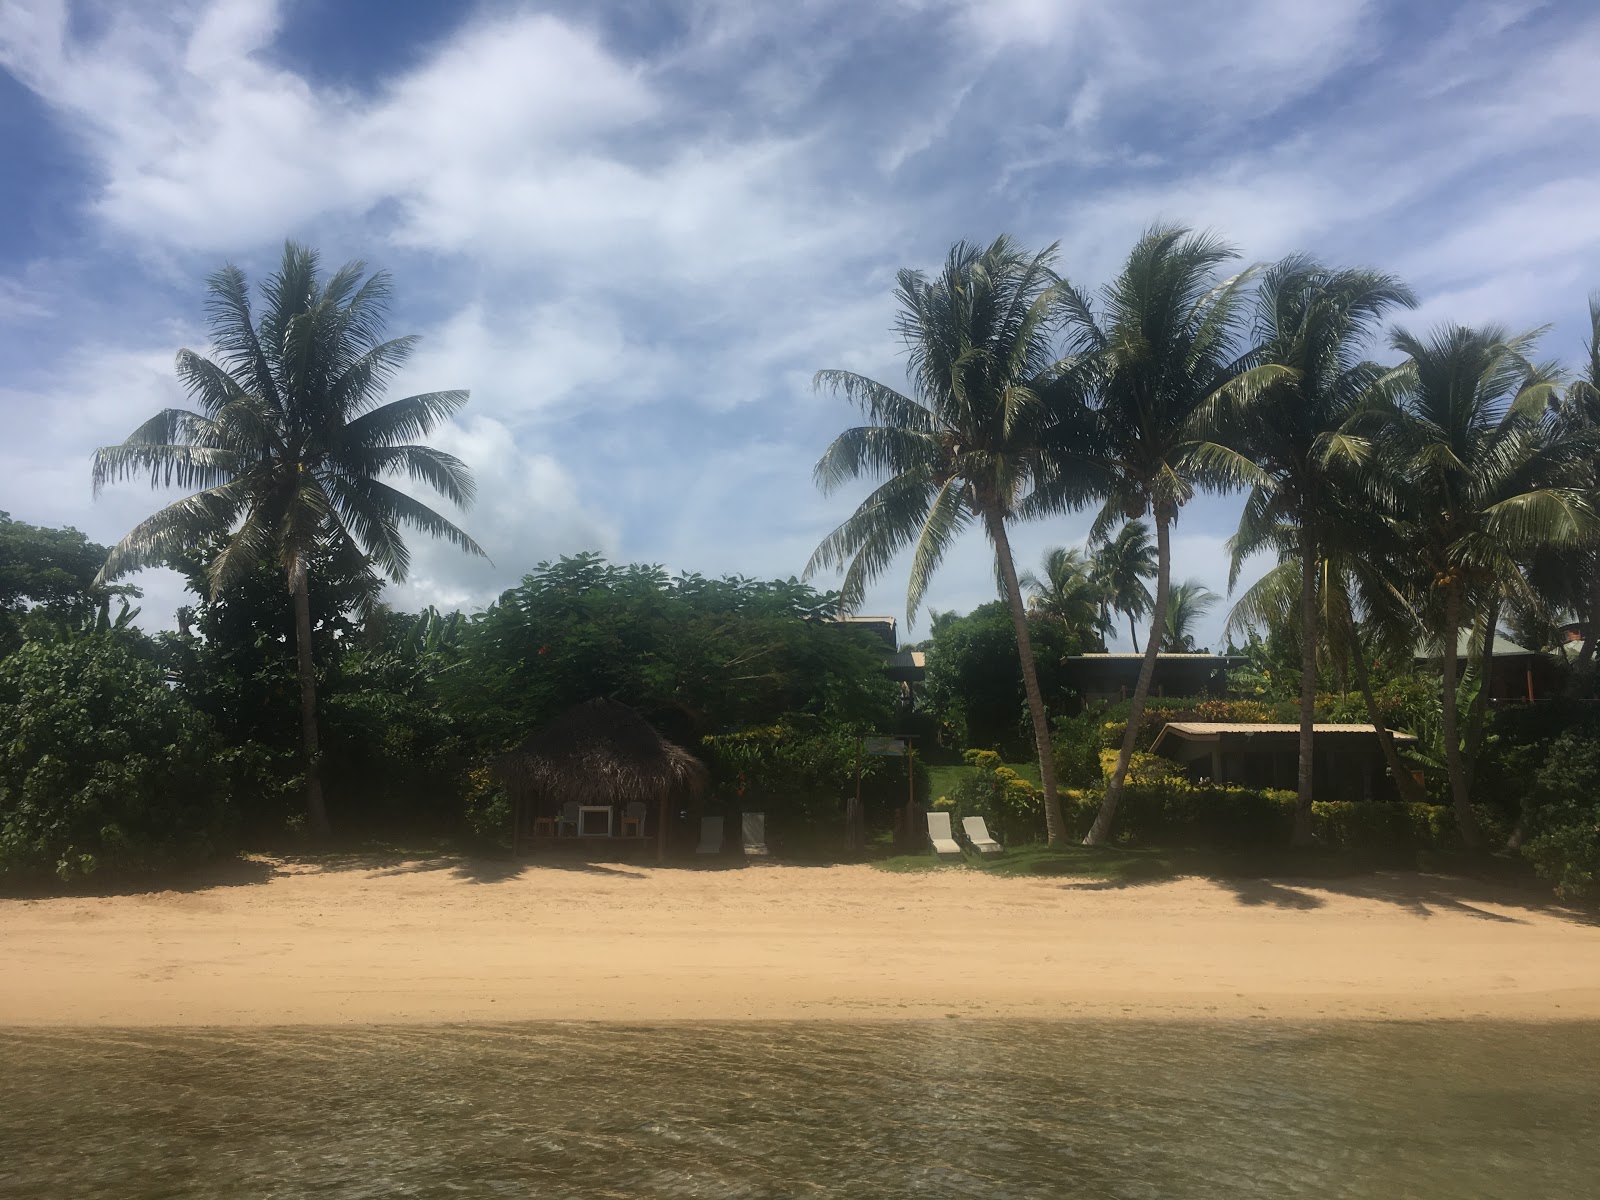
x=754 y=827
x=978 y=834
x=710 y=836
x=939 y=834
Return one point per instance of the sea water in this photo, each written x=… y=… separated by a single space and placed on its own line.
x=1129 y=1109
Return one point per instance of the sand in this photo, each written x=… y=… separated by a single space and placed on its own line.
x=464 y=940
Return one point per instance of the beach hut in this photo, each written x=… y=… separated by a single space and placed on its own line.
x=599 y=764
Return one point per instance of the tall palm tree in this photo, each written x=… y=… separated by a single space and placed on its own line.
x=962 y=448
x=288 y=445
x=1156 y=360
x=1486 y=485
x=1122 y=564
x=1186 y=604
x=1068 y=592
x=1578 y=420
x=1315 y=323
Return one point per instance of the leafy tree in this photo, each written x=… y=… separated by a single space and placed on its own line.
x=1565 y=841
x=1571 y=579
x=975 y=682
x=1187 y=603
x=1121 y=565
x=1068 y=592
x=1313 y=322
x=102 y=767
x=1482 y=483
x=1154 y=365
x=965 y=447
x=289 y=449
x=48 y=575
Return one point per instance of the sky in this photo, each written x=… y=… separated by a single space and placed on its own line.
x=634 y=230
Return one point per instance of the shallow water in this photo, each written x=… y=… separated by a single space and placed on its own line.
x=949 y=1108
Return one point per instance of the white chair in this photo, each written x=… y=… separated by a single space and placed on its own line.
x=944 y=842
x=710 y=836
x=569 y=816
x=978 y=834
x=754 y=827
x=633 y=818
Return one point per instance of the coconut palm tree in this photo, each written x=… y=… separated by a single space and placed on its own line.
x=1186 y=604
x=287 y=449
x=1487 y=482
x=962 y=448
x=1122 y=564
x=1068 y=592
x=1154 y=361
x=1315 y=323
x=1578 y=420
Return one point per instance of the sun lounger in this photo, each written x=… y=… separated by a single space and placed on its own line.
x=710 y=836
x=754 y=826
x=939 y=834
x=978 y=834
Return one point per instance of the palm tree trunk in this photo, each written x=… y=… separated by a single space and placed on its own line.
x=1404 y=781
x=1054 y=825
x=1480 y=702
x=316 y=811
x=1308 y=688
x=1101 y=829
x=1459 y=793
x=1133 y=633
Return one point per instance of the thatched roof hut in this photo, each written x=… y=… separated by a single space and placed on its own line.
x=600 y=753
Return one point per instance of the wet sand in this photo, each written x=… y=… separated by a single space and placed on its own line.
x=467 y=940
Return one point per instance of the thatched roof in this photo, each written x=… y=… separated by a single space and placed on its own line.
x=600 y=752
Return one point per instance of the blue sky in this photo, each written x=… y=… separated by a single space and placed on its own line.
x=635 y=229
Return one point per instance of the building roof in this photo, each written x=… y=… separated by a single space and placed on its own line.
x=1163 y=654
x=1504 y=647
x=600 y=752
x=884 y=627
x=1211 y=730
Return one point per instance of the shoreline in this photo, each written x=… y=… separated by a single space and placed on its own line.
x=454 y=941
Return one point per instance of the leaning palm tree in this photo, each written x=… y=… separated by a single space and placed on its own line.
x=1158 y=356
x=1315 y=323
x=1187 y=603
x=962 y=448
x=288 y=445
x=1122 y=564
x=1068 y=592
x=1487 y=483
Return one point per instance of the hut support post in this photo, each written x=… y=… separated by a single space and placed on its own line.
x=661 y=830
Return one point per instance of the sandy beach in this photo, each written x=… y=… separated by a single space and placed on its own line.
x=467 y=940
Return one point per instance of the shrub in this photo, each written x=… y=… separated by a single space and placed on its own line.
x=1011 y=807
x=102 y=768
x=1076 y=747
x=1564 y=819
x=1143 y=767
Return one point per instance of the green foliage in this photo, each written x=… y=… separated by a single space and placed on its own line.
x=1564 y=817
x=1011 y=807
x=801 y=777
x=974 y=681
x=102 y=767
x=1076 y=744
x=1159 y=711
x=47 y=585
x=696 y=656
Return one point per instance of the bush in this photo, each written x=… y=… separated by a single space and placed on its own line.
x=1076 y=747
x=1011 y=807
x=1564 y=819
x=102 y=768
x=1222 y=817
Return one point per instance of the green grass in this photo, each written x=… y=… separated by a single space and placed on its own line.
x=1111 y=863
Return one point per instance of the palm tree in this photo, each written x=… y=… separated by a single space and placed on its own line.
x=1314 y=322
x=1186 y=604
x=963 y=448
x=1486 y=484
x=288 y=447
x=1068 y=592
x=1152 y=368
x=1578 y=420
x=1122 y=564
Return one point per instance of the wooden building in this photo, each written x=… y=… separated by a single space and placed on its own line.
x=1347 y=762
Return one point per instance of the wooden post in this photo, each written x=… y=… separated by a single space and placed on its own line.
x=1530 y=685
x=854 y=807
x=661 y=829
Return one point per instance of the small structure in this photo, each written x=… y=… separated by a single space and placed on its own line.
x=1114 y=676
x=1346 y=761
x=1515 y=672
x=598 y=758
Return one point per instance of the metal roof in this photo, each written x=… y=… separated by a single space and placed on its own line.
x=1160 y=654
x=1211 y=729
